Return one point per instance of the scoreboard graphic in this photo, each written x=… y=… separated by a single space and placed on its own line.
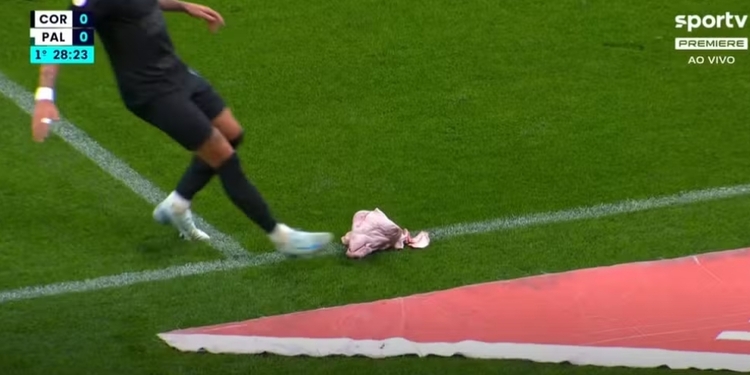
x=61 y=37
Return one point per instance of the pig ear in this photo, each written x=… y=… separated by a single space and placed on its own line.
x=420 y=241
x=379 y=212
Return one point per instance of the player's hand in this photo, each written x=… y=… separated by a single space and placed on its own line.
x=212 y=17
x=45 y=112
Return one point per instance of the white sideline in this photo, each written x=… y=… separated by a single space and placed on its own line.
x=580 y=213
x=592 y=212
x=116 y=167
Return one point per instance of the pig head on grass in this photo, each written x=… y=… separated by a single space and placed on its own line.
x=373 y=231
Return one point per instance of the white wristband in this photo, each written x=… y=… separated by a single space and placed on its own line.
x=45 y=93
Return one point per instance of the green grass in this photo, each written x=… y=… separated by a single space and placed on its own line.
x=435 y=111
x=58 y=206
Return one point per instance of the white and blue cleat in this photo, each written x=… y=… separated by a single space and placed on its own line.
x=181 y=219
x=296 y=242
x=288 y=241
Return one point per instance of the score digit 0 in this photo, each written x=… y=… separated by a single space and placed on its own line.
x=83 y=37
x=82 y=19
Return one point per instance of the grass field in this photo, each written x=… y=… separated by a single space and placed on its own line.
x=438 y=112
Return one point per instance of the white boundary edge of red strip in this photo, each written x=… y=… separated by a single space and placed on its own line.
x=577 y=355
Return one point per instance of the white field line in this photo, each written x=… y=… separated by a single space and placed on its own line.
x=442 y=233
x=116 y=167
x=592 y=212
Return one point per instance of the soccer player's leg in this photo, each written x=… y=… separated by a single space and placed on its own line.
x=184 y=122
x=198 y=174
x=219 y=154
x=173 y=114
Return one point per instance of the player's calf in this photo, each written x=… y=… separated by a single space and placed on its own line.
x=195 y=178
x=216 y=152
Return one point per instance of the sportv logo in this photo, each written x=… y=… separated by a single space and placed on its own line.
x=695 y=21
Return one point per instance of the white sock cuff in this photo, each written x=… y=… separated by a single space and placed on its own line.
x=279 y=233
x=178 y=200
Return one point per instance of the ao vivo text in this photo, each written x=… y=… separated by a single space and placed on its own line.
x=713 y=60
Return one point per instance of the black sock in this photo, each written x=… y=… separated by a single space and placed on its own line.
x=244 y=195
x=195 y=178
x=198 y=175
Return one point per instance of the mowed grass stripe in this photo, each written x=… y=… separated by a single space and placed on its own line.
x=443 y=233
x=116 y=167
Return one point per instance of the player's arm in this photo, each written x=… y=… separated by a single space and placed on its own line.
x=172 y=5
x=47 y=78
x=45 y=110
x=212 y=17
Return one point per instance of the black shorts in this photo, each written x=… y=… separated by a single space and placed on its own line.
x=184 y=115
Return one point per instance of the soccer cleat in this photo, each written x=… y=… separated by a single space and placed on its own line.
x=182 y=219
x=295 y=242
